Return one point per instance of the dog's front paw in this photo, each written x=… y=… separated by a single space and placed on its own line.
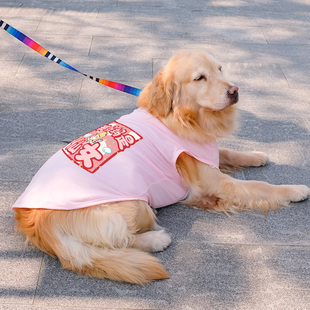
x=295 y=193
x=302 y=192
x=259 y=159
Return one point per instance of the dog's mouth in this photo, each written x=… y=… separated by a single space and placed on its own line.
x=232 y=100
x=222 y=109
x=233 y=97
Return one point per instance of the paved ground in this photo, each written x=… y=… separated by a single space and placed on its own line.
x=246 y=261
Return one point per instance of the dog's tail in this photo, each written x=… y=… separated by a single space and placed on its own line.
x=119 y=264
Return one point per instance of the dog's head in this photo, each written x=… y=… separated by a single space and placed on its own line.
x=192 y=97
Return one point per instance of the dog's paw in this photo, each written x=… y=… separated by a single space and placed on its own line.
x=152 y=241
x=259 y=159
x=161 y=240
x=295 y=193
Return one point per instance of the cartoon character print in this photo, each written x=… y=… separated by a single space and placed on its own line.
x=96 y=137
x=94 y=149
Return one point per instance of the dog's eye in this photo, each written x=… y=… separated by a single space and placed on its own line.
x=199 y=78
x=220 y=68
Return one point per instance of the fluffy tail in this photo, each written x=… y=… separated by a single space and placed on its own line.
x=119 y=264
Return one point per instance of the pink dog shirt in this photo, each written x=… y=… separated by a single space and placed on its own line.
x=133 y=158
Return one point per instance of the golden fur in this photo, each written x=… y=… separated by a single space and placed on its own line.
x=194 y=100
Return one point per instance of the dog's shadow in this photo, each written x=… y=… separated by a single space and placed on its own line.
x=268 y=129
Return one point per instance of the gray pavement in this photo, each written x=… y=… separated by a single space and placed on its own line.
x=245 y=261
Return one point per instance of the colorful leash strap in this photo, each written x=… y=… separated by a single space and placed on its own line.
x=41 y=50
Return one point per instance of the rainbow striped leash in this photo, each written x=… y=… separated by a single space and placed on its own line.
x=41 y=50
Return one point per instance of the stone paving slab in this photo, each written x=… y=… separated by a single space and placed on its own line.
x=17 y=93
x=105 y=27
x=241 y=262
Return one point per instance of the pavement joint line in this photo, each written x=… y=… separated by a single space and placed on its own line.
x=38 y=279
x=264 y=245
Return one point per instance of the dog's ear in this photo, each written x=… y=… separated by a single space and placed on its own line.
x=157 y=96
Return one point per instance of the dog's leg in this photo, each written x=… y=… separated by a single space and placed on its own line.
x=233 y=160
x=213 y=190
x=142 y=231
x=228 y=194
x=112 y=225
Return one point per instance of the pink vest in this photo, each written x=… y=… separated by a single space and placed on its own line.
x=133 y=158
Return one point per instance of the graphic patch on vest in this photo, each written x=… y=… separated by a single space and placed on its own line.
x=94 y=149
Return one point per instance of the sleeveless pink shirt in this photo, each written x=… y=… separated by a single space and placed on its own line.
x=133 y=158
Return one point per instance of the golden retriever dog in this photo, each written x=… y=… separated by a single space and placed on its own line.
x=192 y=99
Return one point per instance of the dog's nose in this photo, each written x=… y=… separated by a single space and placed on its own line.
x=233 y=94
